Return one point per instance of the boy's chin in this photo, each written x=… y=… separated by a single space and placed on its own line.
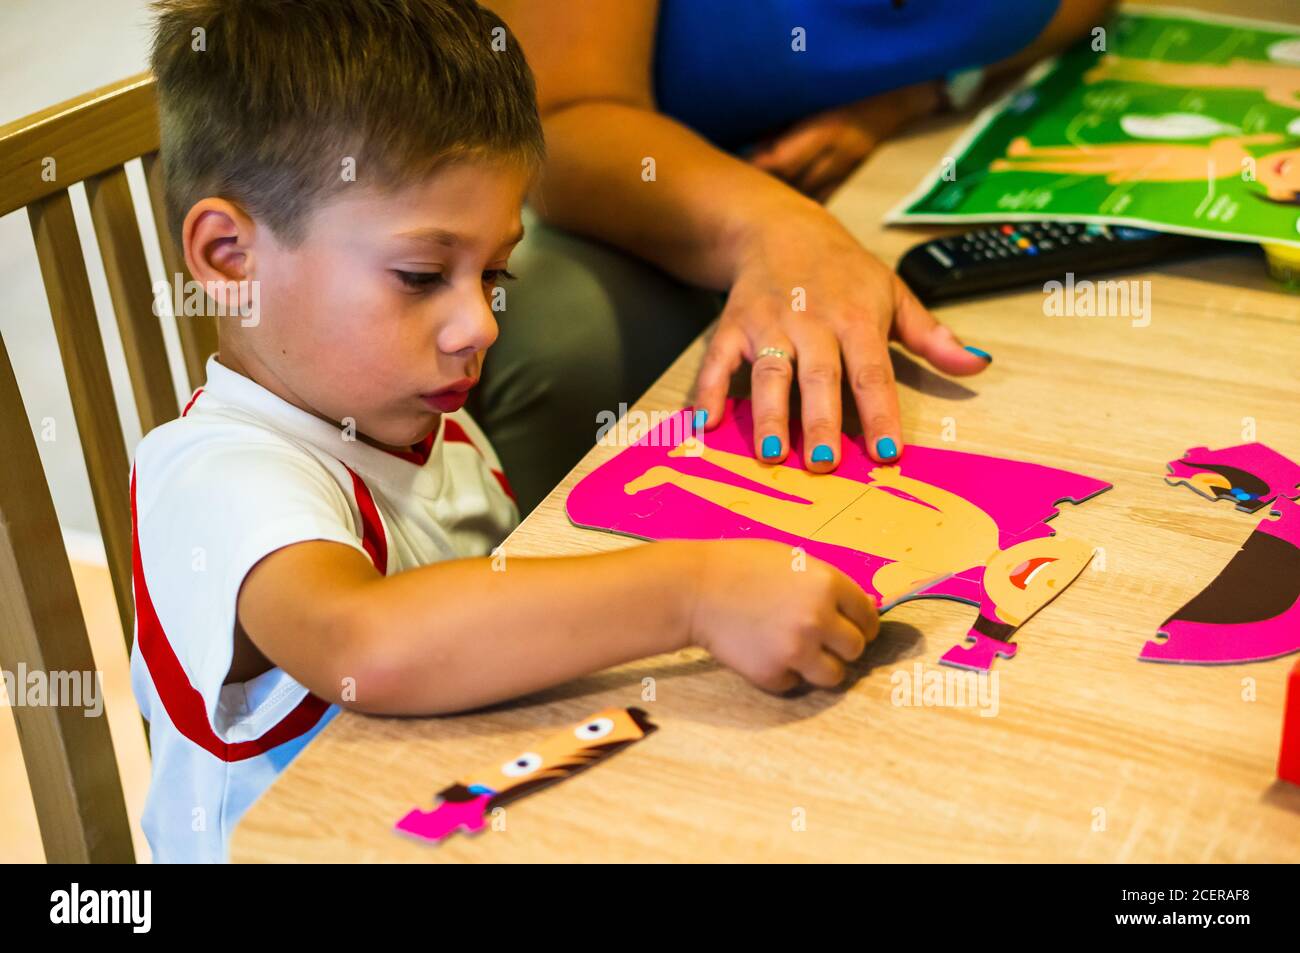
x=402 y=437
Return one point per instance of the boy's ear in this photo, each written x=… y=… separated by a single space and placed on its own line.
x=218 y=240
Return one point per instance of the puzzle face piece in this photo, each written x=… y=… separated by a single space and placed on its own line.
x=1017 y=582
x=1250 y=612
x=925 y=528
x=466 y=804
x=1251 y=475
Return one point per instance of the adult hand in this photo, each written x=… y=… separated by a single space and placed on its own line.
x=805 y=288
x=816 y=154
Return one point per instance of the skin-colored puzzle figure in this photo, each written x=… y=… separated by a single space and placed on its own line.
x=466 y=804
x=941 y=524
x=1252 y=475
x=1278 y=82
x=1250 y=612
x=1278 y=172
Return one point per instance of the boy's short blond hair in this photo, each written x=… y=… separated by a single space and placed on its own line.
x=277 y=104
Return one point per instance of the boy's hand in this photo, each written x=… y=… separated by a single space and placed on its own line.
x=777 y=617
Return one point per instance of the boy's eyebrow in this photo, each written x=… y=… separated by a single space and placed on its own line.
x=440 y=236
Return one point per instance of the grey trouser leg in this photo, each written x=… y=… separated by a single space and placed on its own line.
x=585 y=328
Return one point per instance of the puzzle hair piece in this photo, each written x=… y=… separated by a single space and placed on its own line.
x=1250 y=611
x=939 y=524
x=466 y=803
x=1252 y=475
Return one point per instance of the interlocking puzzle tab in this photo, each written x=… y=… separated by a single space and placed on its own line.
x=1252 y=475
x=465 y=804
x=1250 y=611
x=940 y=524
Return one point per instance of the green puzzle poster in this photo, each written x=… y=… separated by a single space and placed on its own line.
x=1183 y=123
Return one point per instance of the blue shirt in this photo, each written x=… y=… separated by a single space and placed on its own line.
x=730 y=72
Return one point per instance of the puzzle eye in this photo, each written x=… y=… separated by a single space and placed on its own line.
x=596 y=728
x=526 y=763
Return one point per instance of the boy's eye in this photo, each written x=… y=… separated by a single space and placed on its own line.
x=418 y=280
x=493 y=275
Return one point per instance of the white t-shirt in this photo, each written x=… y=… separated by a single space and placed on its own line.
x=239 y=475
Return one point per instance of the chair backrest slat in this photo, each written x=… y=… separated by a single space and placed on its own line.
x=63 y=270
x=198 y=335
x=118 y=234
x=46 y=152
x=70 y=760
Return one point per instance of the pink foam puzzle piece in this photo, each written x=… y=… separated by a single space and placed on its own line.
x=979 y=655
x=447 y=818
x=990 y=636
x=1019 y=497
x=1258 y=474
x=1250 y=612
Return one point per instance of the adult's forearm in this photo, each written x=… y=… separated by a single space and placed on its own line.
x=645 y=183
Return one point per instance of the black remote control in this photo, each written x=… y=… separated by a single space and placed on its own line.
x=1019 y=254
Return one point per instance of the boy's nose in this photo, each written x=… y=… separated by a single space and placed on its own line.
x=473 y=327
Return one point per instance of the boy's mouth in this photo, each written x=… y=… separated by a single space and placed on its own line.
x=451 y=398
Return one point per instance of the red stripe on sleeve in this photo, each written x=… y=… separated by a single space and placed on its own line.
x=183 y=702
x=373 y=539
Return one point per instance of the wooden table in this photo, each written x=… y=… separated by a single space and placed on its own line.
x=1091 y=756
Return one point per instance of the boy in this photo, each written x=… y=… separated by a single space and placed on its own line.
x=312 y=532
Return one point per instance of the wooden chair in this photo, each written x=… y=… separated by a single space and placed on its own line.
x=70 y=760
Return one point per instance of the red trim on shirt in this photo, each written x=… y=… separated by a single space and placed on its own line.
x=191 y=403
x=419 y=452
x=183 y=702
x=373 y=539
x=455 y=433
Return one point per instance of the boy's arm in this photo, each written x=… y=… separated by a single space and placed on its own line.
x=457 y=635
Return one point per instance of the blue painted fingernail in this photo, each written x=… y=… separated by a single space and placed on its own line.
x=886 y=448
x=981 y=354
x=822 y=453
x=701 y=418
x=771 y=448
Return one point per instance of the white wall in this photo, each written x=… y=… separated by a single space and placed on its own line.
x=52 y=50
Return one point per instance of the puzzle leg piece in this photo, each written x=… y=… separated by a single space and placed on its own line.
x=1288 y=762
x=979 y=656
x=447 y=818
